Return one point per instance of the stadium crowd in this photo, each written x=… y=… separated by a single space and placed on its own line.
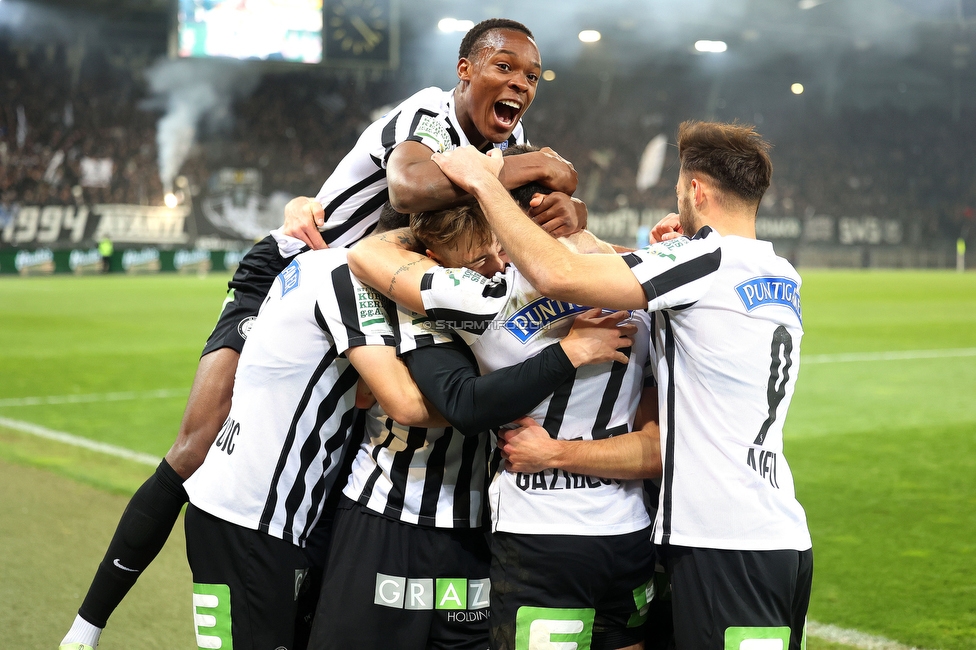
x=883 y=161
x=295 y=126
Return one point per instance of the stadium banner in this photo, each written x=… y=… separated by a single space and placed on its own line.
x=229 y=213
x=148 y=259
x=65 y=226
x=626 y=226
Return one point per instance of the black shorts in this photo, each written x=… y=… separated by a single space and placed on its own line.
x=245 y=295
x=249 y=588
x=722 y=598
x=395 y=585
x=593 y=591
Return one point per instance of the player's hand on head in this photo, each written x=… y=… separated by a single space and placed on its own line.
x=667 y=228
x=556 y=213
x=466 y=167
x=303 y=218
x=527 y=449
x=598 y=338
x=560 y=174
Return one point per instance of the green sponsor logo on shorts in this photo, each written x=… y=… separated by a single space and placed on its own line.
x=642 y=598
x=544 y=627
x=757 y=638
x=211 y=616
x=452 y=593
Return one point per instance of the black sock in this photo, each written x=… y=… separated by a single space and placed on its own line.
x=142 y=531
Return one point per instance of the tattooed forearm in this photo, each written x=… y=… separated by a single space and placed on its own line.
x=402 y=269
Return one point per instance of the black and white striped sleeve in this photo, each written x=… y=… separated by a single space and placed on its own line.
x=416 y=123
x=461 y=299
x=676 y=272
x=412 y=330
x=352 y=312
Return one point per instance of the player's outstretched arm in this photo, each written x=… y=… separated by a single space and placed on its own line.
x=393 y=387
x=387 y=263
x=303 y=218
x=448 y=375
x=416 y=184
x=635 y=455
x=600 y=280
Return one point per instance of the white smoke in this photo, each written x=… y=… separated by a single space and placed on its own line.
x=196 y=94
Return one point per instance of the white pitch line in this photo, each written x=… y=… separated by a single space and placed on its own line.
x=78 y=441
x=854 y=638
x=95 y=397
x=823 y=631
x=888 y=356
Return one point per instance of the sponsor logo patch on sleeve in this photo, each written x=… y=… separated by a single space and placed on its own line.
x=768 y=291
x=370 y=309
x=434 y=133
x=539 y=315
x=290 y=277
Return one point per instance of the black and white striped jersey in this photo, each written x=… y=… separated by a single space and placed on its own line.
x=429 y=477
x=726 y=351
x=356 y=191
x=505 y=321
x=276 y=457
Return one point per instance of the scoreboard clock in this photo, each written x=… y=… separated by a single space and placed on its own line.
x=361 y=32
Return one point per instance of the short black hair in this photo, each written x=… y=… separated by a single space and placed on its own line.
x=474 y=39
x=524 y=193
x=390 y=219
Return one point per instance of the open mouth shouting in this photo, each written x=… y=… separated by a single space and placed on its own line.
x=507 y=112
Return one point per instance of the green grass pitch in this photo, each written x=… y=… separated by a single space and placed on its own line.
x=883 y=449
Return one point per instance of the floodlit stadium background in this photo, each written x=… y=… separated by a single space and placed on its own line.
x=870 y=106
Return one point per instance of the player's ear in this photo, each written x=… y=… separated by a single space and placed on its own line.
x=464 y=70
x=429 y=253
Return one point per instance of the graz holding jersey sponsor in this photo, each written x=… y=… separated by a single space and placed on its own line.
x=558 y=479
x=457 y=594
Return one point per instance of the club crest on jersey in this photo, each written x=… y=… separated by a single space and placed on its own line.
x=770 y=290
x=538 y=315
x=429 y=128
x=290 y=277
